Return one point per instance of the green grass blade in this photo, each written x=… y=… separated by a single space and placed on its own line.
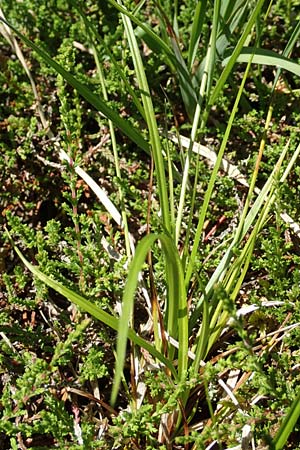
x=235 y=272
x=177 y=325
x=287 y=425
x=204 y=87
x=176 y=63
x=220 y=272
x=293 y=40
x=175 y=18
x=196 y=32
x=213 y=41
x=177 y=314
x=237 y=269
x=268 y=58
x=232 y=60
x=232 y=16
x=188 y=92
x=155 y=141
x=288 y=49
x=208 y=193
x=127 y=307
x=204 y=335
x=157 y=43
x=86 y=93
x=173 y=58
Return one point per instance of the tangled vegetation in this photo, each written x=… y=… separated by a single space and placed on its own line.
x=149 y=245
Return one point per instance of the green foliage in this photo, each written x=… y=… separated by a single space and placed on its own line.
x=93 y=366
x=139 y=425
x=122 y=75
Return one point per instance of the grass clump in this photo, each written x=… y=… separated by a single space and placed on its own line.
x=148 y=228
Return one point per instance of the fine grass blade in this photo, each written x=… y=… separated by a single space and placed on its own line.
x=232 y=60
x=170 y=53
x=233 y=17
x=155 y=141
x=86 y=93
x=287 y=425
x=204 y=88
x=234 y=271
x=268 y=58
x=197 y=25
x=222 y=269
x=288 y=49
x=188 y=92
x=157 y=43
x=237 y=270
x=209 y=191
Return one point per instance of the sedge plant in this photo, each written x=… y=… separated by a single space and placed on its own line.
x=185 y=331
